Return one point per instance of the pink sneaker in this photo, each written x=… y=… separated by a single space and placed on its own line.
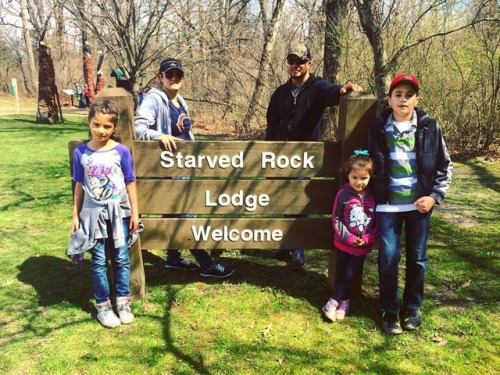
x=330 y=308
x=343 y=309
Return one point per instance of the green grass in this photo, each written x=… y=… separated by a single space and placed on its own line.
x=266 y=319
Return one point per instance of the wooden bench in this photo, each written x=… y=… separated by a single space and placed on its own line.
x=245 y=194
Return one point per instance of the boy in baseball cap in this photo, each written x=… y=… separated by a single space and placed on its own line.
x=413 y=173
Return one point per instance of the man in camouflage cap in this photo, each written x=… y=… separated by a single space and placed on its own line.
x=295 y=111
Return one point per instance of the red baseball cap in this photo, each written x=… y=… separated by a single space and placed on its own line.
x=404 y=78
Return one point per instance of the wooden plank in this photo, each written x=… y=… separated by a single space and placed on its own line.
x=238 y=159
x=237 y=197
x=239 y=233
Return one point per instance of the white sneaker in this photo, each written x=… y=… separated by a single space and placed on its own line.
x=124 y=311
x=330 y=309
x=106 y=315
x=343 y=309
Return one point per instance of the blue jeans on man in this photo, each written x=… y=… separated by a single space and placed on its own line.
x=121 y=267
x=416 y=234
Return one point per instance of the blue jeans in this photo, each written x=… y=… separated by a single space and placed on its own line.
x=121 y=267
x=416 y=235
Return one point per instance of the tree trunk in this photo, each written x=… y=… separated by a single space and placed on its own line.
x=269 y=38
x=373 y=31
x=29 y=49
x=335 y=11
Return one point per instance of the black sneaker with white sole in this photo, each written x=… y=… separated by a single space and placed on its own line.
x=182 y=264
x=217 y=271
x=390 y=323
x=413 y=320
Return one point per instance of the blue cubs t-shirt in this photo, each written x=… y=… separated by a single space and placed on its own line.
x=180 y=122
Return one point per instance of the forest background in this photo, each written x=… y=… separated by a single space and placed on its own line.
x=234 y=53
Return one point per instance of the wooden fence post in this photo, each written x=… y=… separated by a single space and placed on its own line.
x=126 y=132
x=356 y=113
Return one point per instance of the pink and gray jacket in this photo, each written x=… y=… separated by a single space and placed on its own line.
x=353 y=216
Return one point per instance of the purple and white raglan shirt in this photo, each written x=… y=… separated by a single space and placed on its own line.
x=104 y=176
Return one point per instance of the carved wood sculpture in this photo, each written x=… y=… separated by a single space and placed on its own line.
x=89 y=78
x=48 y=111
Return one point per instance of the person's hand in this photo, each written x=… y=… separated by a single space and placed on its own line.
x=350 y=86
x=359 y=242
x=134 y=224
x=167 y=142
x=425 y=204
x=75 y=224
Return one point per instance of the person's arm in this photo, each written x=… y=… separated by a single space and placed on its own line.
x=273 y=120
x=132 y=196
x=442 y=176
x=371 y=232
x=145 y=119
x=77 y=206
x=340 y=229
x=333 y=92
x=145 y=122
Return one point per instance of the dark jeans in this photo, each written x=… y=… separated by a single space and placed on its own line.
x=350 y=267
x=416 y=235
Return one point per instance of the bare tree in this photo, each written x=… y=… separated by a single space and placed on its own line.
x=335 y=12
x=128 y=30
x=29 y=48
x=270 y=25
x=379 y=18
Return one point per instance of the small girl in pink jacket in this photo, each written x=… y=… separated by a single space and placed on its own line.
x=355 y=230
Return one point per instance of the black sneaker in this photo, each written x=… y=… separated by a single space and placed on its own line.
x=217 y=271
x=182 y=264
x=390 y=323
x=298 y=261
x=413 y=320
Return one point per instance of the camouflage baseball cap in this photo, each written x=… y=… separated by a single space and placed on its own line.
x=300 y=50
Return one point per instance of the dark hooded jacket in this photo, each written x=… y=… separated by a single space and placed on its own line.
x=301 y=119
x=434 y=166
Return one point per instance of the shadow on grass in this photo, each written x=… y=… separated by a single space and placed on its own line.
x=483 y=176
x=58 y=280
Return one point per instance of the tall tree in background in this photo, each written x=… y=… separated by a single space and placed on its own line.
x=270 y=26
x=29 y=49
x=335 y=14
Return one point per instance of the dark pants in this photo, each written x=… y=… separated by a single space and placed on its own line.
x=350 y=267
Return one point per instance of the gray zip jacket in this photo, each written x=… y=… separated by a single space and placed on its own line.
x=153 y=116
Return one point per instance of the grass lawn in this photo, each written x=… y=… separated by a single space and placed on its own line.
x=265 y=319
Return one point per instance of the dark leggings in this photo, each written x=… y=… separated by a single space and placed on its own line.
x=349 y=267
